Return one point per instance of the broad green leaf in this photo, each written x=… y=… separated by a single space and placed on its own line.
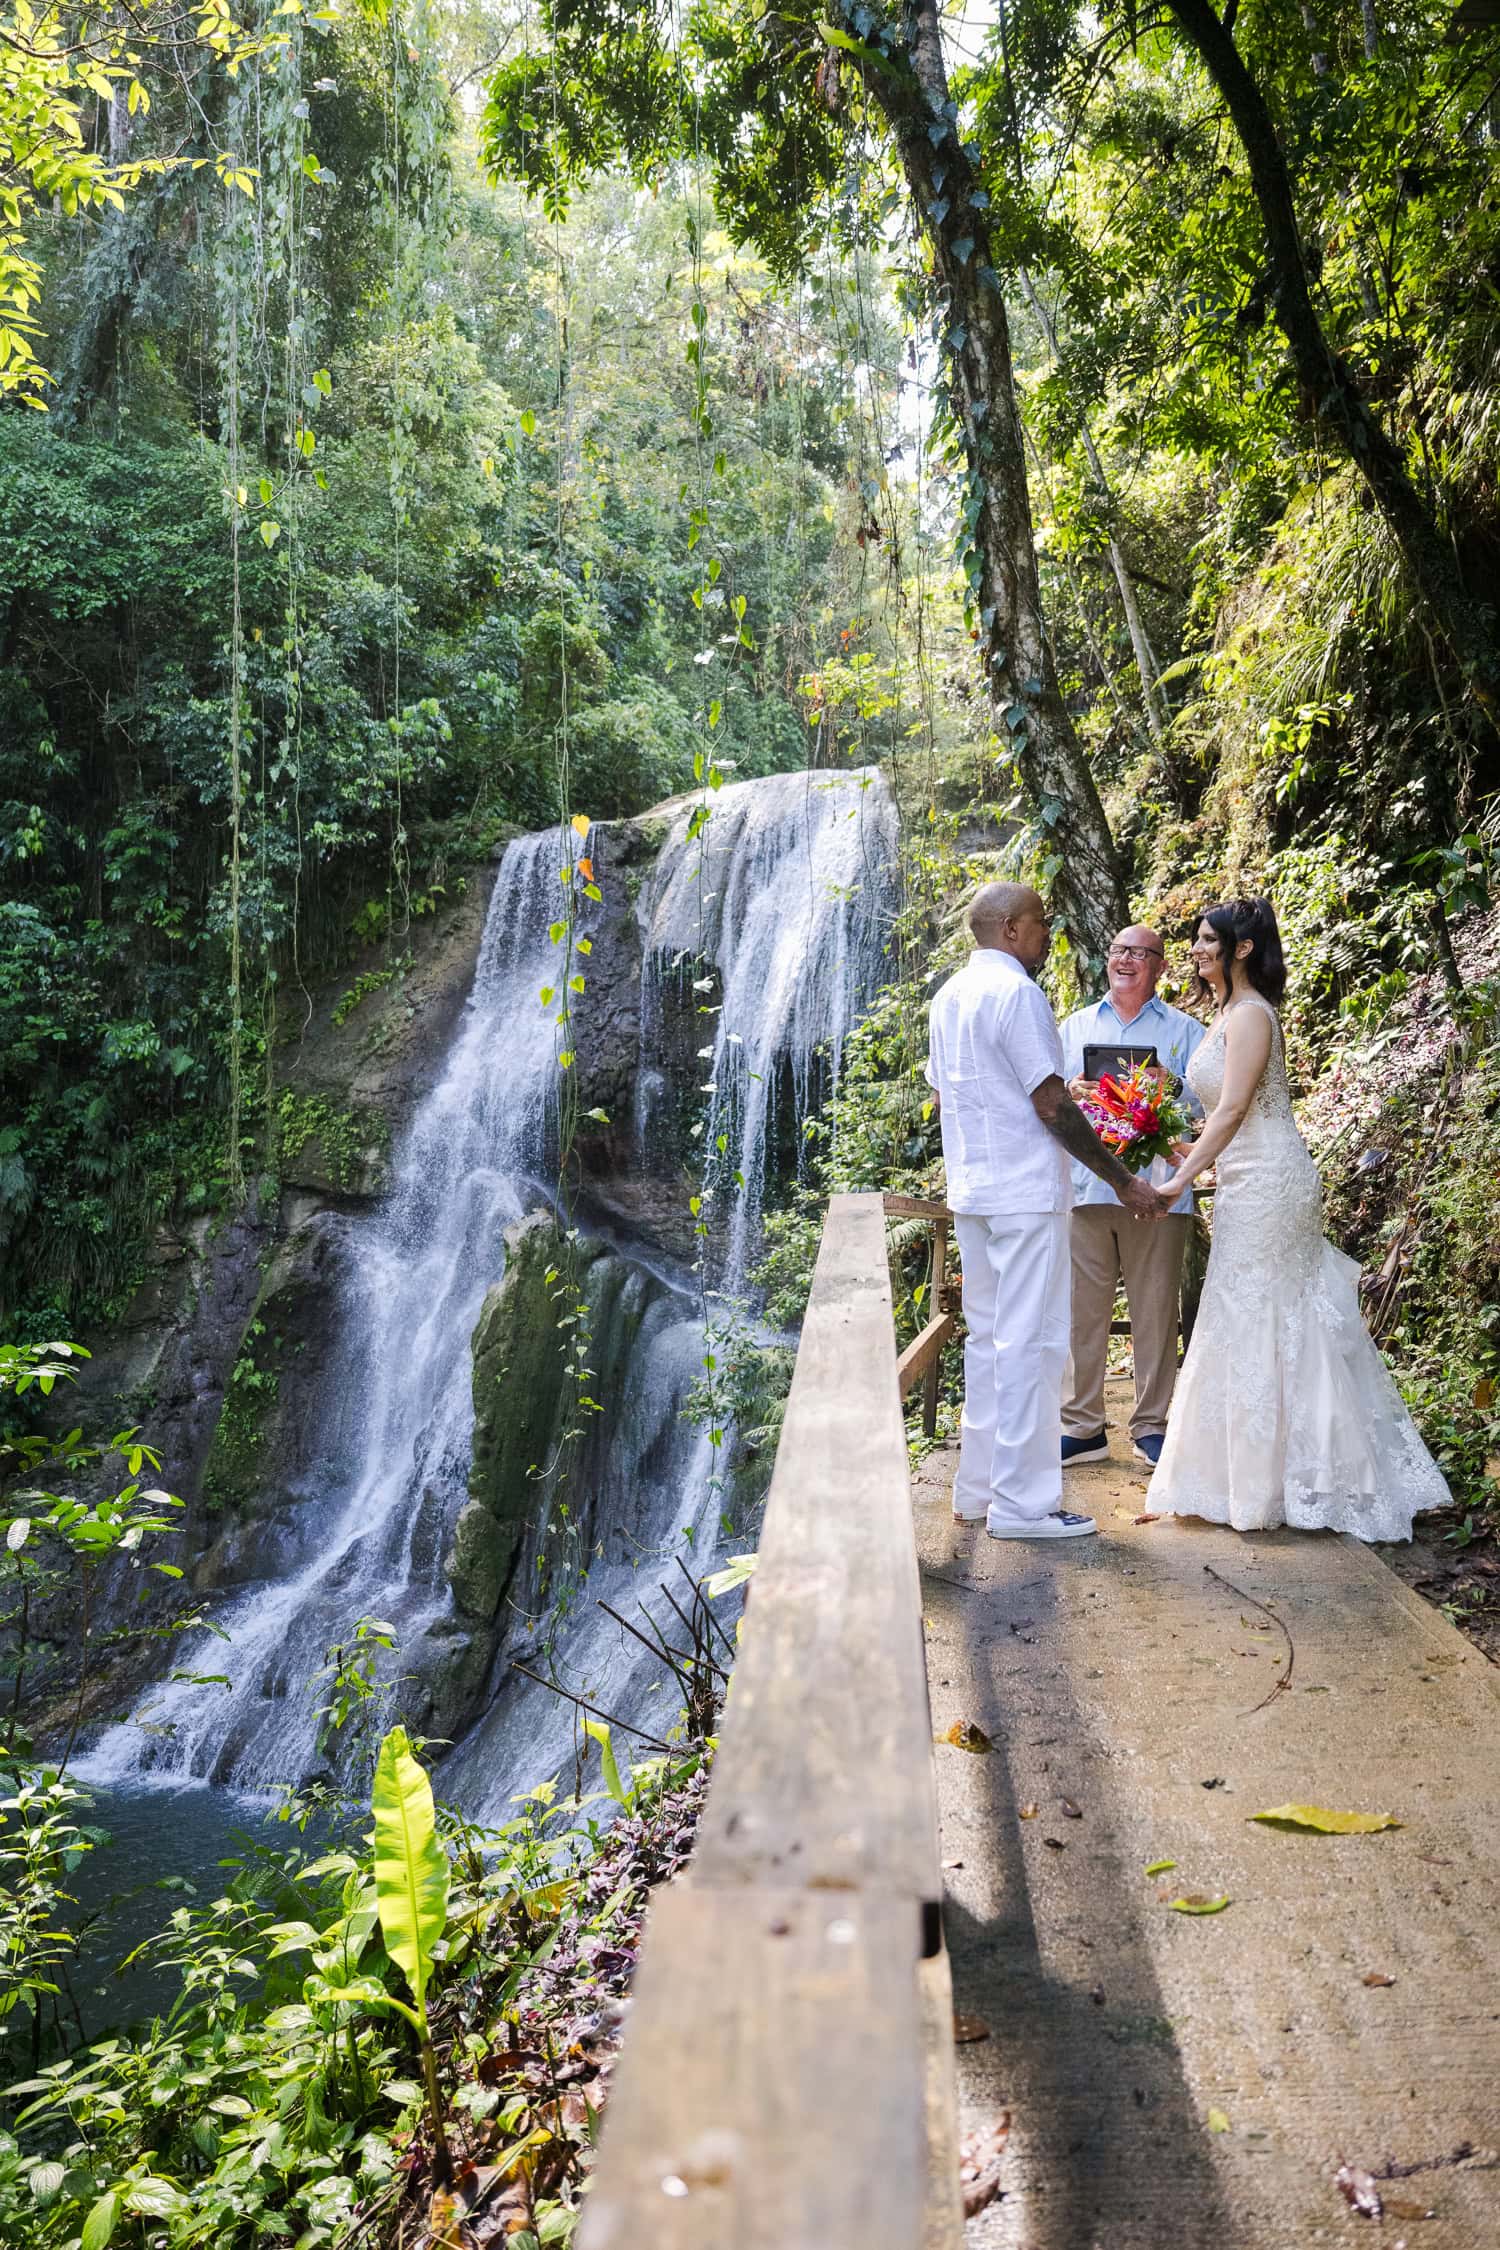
x=607 y=1766
x=99 y=2226
x=864 y=54
x=411 y=1867
x=1325 y=1823
x=736 y=1571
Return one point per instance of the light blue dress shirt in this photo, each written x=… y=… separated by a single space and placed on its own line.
x=1173 y=1035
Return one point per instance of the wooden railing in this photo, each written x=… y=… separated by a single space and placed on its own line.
x=921 y=1359
x=786 y=2078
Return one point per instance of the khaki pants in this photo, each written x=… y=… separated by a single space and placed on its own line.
x=1106 y=1245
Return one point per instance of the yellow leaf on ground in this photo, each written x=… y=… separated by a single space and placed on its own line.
x=1322 y=1822
x=964 y=1735
x=1160 y=1866
x=1217 y=2121
x=1195 y=1903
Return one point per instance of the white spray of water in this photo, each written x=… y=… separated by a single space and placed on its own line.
x=788 y=894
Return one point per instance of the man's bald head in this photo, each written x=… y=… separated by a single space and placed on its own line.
x=999 y=903
x=1010 y=918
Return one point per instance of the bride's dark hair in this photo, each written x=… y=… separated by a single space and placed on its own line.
x=1233 y=923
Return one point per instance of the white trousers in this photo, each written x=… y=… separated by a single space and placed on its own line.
x=1017 y=1294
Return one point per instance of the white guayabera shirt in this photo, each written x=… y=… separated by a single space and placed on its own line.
x=992 y=1039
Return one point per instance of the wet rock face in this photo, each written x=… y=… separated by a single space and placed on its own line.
x=356 y=1059
x=520 y=1390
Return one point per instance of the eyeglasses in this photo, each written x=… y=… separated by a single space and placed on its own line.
x=1124 y=953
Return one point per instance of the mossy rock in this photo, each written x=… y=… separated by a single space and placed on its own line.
x=333 y=1148
x=520 y=1389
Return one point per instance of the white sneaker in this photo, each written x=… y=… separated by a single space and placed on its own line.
x=1062 y=1525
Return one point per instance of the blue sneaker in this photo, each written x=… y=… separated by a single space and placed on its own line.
x=1147 y=1450
x=1076 y=1449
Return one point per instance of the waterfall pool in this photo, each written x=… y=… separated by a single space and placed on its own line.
x=166 y=1849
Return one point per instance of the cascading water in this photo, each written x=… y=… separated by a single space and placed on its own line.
x=370 y=1542
x=787 y=893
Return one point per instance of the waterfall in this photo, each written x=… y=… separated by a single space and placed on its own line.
x=787 y=893
x=398 y=1384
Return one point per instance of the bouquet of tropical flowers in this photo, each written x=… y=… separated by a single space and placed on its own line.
x=1138 y=1118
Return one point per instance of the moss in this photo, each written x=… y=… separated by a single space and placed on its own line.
x=373 y=980
x=521 y=1386
x=343 y=1146
x=233 y=1465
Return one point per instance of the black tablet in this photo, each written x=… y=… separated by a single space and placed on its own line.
x=1101 y=1061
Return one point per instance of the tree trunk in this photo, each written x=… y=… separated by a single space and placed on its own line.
x=1330 y=383
x=1084 y=871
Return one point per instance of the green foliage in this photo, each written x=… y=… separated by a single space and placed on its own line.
x=273 y=2100
x=434 y=522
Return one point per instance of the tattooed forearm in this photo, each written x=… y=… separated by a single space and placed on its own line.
x=1066 y=1122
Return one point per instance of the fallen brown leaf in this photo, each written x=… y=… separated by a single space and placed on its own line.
x=950 y=1864
x=1054 y=1843
x=1029 y=1812
x=1146 y=1519
x=1402 y=2207
x=980 y=2162
x=1070 y=1810
x=1358 y=2191
x=968 y=2030
x=1377 y=1977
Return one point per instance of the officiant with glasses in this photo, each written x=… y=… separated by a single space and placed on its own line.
x=1128 y=1026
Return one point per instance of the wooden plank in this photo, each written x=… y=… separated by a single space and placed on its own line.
x=923 y=1352
x=824 y=1769
x=772 y=2087
x=914 y=1207
x=939 y=1291
x=944 y=2218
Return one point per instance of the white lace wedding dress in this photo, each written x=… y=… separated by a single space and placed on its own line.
x=1284 y=1410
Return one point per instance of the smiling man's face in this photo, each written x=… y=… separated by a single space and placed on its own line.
x=1136 y=960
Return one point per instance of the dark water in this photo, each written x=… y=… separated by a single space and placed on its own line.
x=167 y=1848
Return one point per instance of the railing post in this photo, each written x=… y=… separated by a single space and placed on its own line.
x=939 y=1280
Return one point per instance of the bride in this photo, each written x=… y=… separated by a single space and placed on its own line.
x=1284 y=1411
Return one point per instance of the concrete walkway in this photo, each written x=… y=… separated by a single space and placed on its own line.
x=1184 y=2082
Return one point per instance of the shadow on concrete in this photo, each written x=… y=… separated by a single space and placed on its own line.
x=1108 y=2151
